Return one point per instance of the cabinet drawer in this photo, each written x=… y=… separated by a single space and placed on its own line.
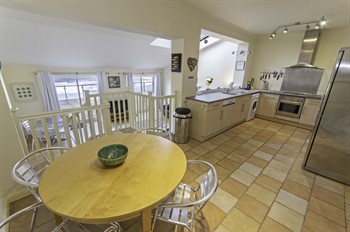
x=215 y=105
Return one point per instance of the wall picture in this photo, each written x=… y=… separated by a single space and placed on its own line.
x=114 y=81
x=176 y=60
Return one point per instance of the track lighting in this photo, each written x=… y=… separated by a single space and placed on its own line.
x=242 y=52
x=318 y=24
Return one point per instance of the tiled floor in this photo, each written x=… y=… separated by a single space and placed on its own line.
x=262 y=184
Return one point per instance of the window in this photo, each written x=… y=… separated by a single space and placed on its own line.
x=70 y=88
x=144 y=83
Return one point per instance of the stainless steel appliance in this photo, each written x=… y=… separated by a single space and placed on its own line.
x=304 y=77
x=290 y=106
x=328 y=153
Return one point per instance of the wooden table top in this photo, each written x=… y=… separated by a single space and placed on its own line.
x=79 y=187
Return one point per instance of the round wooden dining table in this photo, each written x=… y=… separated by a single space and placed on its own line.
x=77 y=186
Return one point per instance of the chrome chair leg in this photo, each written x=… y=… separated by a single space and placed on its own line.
x=32 y=223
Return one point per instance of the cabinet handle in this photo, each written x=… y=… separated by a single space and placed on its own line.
x=242 y=108
x=221 y=115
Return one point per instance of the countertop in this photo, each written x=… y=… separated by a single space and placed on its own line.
x=219 y=96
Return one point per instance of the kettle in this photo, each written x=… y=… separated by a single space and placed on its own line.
x=247 y=86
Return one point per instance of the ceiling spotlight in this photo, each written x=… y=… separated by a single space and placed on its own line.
x=317 y=26
x=205 y=41
x=323 y=21
x=270 y=37
x=285 y=30
x=273 y=34
x=307 y=27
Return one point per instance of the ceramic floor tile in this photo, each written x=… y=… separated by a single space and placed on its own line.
x=261 y=194
x=270 y=225
x=316 y=222
x=327 y=210
x=250 y=168
x=237 y=157
x=190 y=155
x=249 y=146
x=243 y=177
x=301 y=179
x=229 y=164
x=223 y=200
x=209 y=158
x=328 y=196
x=280 y=166
x=226 y=148
x=269 y=183
x=330 y=184
x=274 y=173
x=263 y=155
x=268 y=149
x=222 y=228
x=199 y=150
x=297 y=189
x=284 y=159
x=234 y=187
x=243 y=151
x=217 y=154
x=208 y=145
x=213 y=215
x=287 y=217
x=223 y=173
x=236 y=220
x=258 y=162
x=185 y=147
x=292 y=201
x=252 y=208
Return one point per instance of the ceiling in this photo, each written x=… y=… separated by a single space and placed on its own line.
x=35 y=39
x=262 y=17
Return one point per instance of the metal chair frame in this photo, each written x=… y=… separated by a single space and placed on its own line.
x=113 y=227
x=28 y=170
x=182 y=207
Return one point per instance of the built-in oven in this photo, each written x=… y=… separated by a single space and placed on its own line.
x=290 y=106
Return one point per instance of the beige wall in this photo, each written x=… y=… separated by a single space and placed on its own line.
x=283 y=51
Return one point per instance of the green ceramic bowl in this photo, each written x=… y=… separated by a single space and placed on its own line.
x=113 y=155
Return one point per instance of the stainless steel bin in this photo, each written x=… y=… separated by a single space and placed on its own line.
x=182 y=118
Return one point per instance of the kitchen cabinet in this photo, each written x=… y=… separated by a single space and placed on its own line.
x=241 y=108
x=210 y=119
x=310 y=111
x=267 y=105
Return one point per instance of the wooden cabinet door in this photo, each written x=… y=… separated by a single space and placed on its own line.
x=267 y=104
x=241 y=108
x=227 y=115
x=310 y=111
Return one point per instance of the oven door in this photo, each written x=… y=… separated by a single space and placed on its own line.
x=290 y=106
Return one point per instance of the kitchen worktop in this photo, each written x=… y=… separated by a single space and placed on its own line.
x=219 y=96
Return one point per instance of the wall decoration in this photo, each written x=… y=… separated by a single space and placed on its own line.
x=176 y=59
x=114 y=81
x=240 y=65
x=23 y=91
x=192 y=63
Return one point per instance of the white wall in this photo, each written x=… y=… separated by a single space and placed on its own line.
x=284 y=49
x=10 y=152
x=167 y=19
x=218 y=62
x=14 y=73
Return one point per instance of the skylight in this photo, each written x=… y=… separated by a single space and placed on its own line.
x=159 y=42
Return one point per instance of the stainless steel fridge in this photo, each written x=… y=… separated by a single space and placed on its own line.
x=328 y=153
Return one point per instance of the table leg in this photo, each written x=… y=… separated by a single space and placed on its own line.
x=58 y=219
x=147 y=220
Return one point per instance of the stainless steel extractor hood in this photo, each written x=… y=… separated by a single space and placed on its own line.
x=304 y=77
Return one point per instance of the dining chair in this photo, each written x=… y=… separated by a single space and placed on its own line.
x=28 y=170
x=66 y=225
x=154 y=131
x=187 y=201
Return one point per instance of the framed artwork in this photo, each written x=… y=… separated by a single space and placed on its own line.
x=240 y=65
x=114 y=82
x=176 y=60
